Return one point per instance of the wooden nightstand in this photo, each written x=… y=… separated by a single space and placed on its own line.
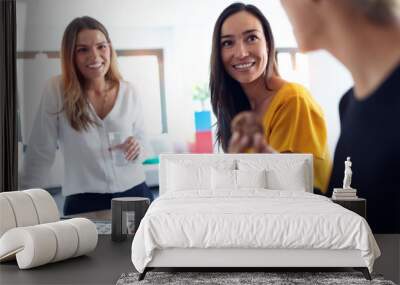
x=358 y=205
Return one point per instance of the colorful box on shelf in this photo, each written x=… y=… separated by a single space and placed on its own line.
x=202 y=121
x=203 y=142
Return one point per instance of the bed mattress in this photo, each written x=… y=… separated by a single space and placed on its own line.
x=251 y=219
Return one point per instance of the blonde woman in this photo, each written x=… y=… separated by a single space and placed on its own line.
x=365 y=36
x=78 y=111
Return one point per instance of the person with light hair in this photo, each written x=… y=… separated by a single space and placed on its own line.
x=365 y=36
x=77 y=112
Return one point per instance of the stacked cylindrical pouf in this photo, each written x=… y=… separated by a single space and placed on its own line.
x=31 y=232
x=26 y=208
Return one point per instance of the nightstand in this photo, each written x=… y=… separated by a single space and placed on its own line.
x=358 y=206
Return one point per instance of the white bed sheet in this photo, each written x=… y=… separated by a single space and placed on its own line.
x=251 y=218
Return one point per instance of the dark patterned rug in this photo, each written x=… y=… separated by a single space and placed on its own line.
x=103 y=227
x=243 y=278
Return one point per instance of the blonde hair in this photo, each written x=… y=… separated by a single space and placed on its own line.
x=75 y=105
x=378 y=11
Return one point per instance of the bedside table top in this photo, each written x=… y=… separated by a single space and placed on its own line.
x=348 y=200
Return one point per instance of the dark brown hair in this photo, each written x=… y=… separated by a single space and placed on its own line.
x=227 y=96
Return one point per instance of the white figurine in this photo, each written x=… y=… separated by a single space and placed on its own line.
x=347 y=174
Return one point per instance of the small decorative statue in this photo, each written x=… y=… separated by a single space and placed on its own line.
x=347 y=174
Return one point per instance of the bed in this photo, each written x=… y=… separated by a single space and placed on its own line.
x=246 y=211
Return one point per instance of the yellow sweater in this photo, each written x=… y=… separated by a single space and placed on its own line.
x=294 y=122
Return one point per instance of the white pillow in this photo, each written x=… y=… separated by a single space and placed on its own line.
x=193 y=174
x=187 y=177
x=251 y=178
x=281 y=174
x=293 y=179
x=223 y=179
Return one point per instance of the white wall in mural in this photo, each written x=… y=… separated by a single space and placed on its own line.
x=183 y=29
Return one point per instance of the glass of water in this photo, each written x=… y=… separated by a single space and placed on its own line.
x=117 y=139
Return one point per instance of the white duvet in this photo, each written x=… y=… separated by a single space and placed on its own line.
x=250 y=219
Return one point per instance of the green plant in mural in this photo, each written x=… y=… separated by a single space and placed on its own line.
x=201 y=93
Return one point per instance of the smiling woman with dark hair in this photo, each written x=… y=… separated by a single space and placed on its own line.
x=244 y=77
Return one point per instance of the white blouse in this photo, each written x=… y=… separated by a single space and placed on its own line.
x=88 y=164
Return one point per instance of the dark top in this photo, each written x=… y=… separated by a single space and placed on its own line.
x=370 y=135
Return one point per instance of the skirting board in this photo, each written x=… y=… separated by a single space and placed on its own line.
x=177 y=257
